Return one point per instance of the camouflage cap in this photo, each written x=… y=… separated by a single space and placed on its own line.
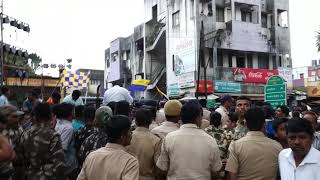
x=6 y=110
x=102 y=115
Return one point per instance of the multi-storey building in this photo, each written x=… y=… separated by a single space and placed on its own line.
x=233 y=46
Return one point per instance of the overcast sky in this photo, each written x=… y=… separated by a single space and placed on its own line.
x=82 y=29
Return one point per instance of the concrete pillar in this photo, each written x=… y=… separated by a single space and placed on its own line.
x=233 y=14
x=225 y=60
x=234 y=61
x=270 y=62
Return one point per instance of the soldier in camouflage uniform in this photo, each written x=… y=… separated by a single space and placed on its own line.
x=99 y=137
x=13 y=133
x=41 y=148
x=6 y=168
x=219 y=135
x=242 y=106
x=83 y=133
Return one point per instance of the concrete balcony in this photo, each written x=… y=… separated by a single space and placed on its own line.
x=156 y=35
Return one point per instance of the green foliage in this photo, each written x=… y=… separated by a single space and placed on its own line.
x=22 y=62
x=35 y=61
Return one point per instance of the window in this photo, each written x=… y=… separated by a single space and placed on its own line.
x=249 y=61
x=154 y=12
x=245 y=16
x=220 y=14
x=283 y=18
x=301 y=76
x=124 y=56
x=173 y=69
x=209 y=9
x=230 y=60
x=264 y=20
x=211 y=62
x=114 y=57
x=108 y=62
x=263 y=61
x=274 y=62
x=176 y=19
x=247 y=13
x=229 y=15
x=219 y=59
x=280 y=61
x=240 y=62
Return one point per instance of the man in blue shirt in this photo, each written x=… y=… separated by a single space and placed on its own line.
x=5 y=92
x=78 y=121
x=64 y=128
x=74 y=99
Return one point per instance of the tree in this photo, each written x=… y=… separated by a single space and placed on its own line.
x=35 y=61
x=15 y=62
x=318 y=41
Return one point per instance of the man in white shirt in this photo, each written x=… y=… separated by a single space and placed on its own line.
x=189 y=153
x=226 y=103
x=116 y=94
x=4 y=96
x=300 y=161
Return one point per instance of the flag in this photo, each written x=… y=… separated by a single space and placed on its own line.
x=75 y=79
x=139 y=85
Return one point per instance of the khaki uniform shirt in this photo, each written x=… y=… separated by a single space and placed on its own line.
x=110 y=162
x=254 y=157
x=160 y=116
x=206 y=114
x=165 y=128
x=204 y=124
x=189 y=153
x=146 y=147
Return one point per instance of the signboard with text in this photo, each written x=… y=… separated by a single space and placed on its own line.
x=286 y=73
x=186 y=80
x=32 y=82
x=276 y=91
x=227 y=86
x=184 y=56
x=248 y=75
x=173 y=89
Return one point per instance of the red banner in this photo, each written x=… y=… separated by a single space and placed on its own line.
x=202 y=86
x=253 y=75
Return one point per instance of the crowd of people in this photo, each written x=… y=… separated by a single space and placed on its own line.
x=125 y=139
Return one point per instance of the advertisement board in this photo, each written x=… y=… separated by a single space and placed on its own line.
x=184 y=56
x=248 y=75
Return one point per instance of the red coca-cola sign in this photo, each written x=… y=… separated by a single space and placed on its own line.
x=253 y=75
x=202 y=86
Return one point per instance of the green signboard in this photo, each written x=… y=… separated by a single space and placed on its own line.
x=228 y=87
x=173 y=90
x=276 y=91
